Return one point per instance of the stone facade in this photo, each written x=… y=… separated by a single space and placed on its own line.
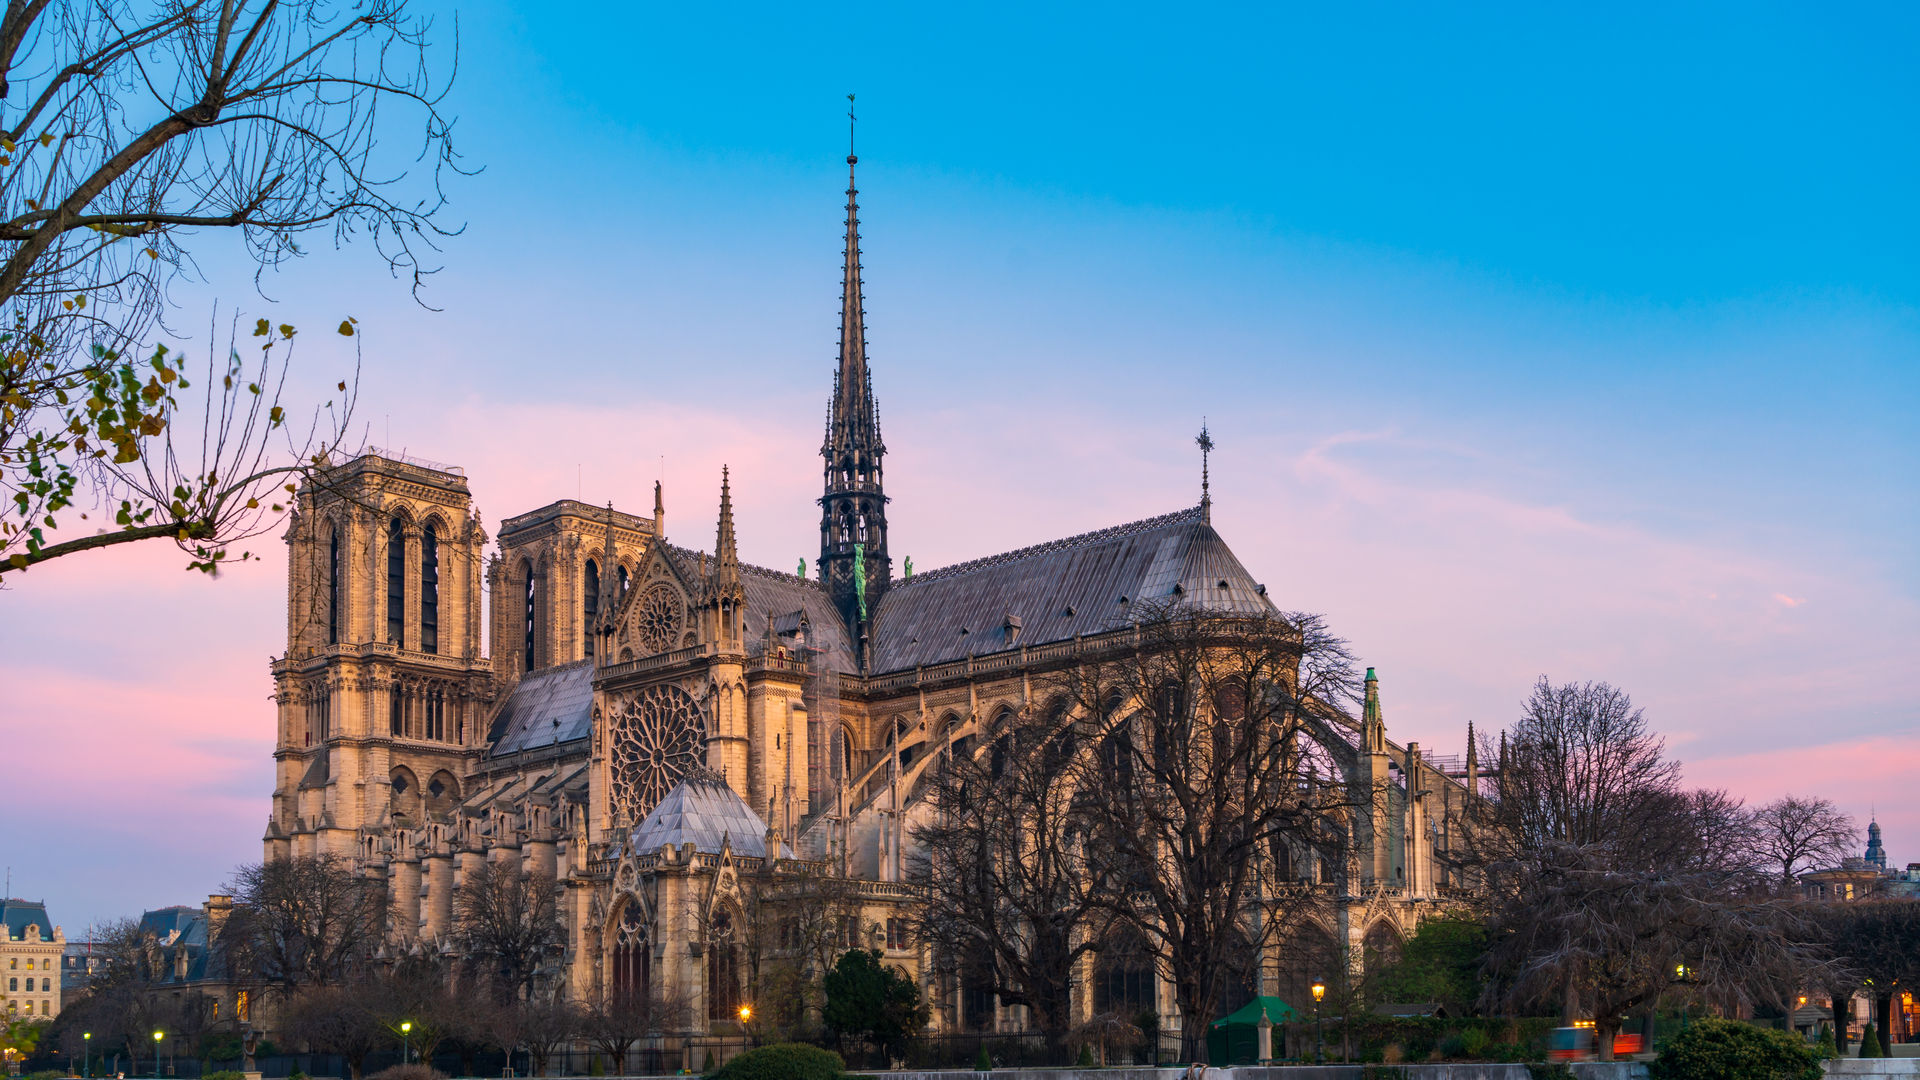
x=629 y=680
x=30 y=951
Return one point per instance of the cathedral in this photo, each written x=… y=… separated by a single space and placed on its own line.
x=658 y=726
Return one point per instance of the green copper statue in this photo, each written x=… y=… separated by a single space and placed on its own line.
x=860 y=577
x=802 y=572
x=909 y=569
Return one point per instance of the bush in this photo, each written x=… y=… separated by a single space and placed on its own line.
x=225 y=1074
x=1714 y=1049
x=1086 y=1056
x=1474 y=1042
x=405 y=1072
x=1454 y=1045
x=983 y=1063
x=784 y=1061
x=1826 y=1049
x=1870 y=1043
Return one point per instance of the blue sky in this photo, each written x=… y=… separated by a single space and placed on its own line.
x=1534 y=340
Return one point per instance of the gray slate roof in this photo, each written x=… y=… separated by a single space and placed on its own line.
x=1085 y=584
x=780 y=598
x=548 y=706
x=702 y=810
x=17 y=915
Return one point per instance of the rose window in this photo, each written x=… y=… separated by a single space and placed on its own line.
x=656 y=737
x=659 y=619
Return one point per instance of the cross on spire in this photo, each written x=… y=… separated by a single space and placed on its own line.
x=1205 y=442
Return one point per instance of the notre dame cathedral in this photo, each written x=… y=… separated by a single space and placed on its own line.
x=652 y=724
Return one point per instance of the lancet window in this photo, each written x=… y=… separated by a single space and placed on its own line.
x=397 y=584
x=430 y=589
x=590 y=606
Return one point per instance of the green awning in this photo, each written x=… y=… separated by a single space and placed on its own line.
x=1278 y=1012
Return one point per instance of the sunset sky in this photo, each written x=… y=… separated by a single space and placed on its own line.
x=1581 y=344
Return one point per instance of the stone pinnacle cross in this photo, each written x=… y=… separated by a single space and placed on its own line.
x=1205 y=442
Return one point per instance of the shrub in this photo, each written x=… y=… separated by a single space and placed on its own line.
x=783 y=1061
x=1826 y=1049
x=405 y=1072
x=1870 y=1043
x=1715 y=1049
x=1454 y=1045
x=224 y=1074
x=1086 y=1056
x=983 y=1063
x=1474 y=1042
x=1506 y=1051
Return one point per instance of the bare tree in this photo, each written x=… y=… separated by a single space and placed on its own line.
x=547 y=1023
x=618 y=1019
x=507 y=923
x=1874 y=949
x=1005 y=866
x=340 y=1019
x=1607 y=883
x=1800 y=834
x=797 y=918
x=308 y=920
x=130 y=130
x=1211 y=751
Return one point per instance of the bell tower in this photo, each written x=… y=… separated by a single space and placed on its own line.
x=854 y=564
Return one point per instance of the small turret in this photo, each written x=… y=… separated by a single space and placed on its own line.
x=1373 y=727
x=1876 y=851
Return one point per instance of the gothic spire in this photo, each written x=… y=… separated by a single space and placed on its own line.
x=854 y=565
x=853 y=424
x=609 y=578
x=726 y=554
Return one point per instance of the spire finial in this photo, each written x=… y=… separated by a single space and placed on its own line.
x=851 y=120
x=1205 y=441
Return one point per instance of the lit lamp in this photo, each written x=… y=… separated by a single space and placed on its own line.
x=157 y=1036
x=86 y=1039
x=1319 y=1036
x=746 y=1014
x=406 y=1042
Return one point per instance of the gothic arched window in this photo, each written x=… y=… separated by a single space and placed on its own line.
x=590 y=606
x=396 y=584
x=723 y=969
x=526 y=572
x=333 y=586
x=429 y=589
x=632 y=955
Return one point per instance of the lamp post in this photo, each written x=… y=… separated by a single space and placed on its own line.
x=746 y=1015
x=1319 y=1036
x=86 y=1040
x=157 y=1036
x=406 y=1042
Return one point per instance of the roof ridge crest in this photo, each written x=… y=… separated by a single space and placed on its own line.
x=1190 y=514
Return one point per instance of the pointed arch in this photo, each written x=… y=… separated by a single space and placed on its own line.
x=589 y=606
x=631 y=958
x=723 y=963
x=529 y=590
x=333 y=583
x=430 y=533
x=396 y=538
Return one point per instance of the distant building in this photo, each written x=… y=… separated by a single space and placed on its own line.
x=1858 y=879
x=30 y=959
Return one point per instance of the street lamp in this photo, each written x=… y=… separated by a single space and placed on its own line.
x=86 y=1040
x=157 y=1036
x=406 y=1042
x=746 y=1014
x=1319 y=1037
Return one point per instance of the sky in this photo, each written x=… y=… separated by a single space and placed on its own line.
x=1575 y=343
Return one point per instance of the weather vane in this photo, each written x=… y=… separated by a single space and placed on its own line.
x=850 y=122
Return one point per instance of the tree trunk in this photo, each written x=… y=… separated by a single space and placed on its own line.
x=1883 y=1021
x=1604 y=1028
x=1842 y=1013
